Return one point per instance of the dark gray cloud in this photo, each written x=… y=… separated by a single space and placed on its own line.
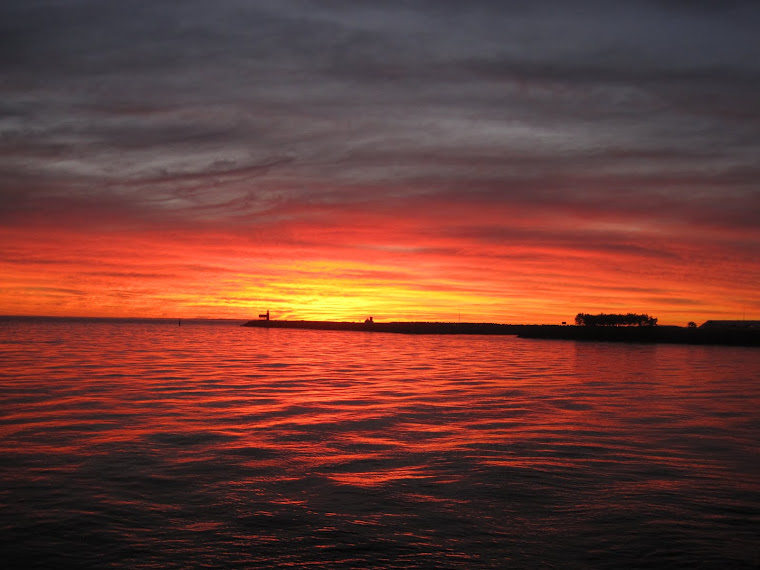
x=217 y=109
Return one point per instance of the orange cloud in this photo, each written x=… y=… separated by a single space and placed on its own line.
x=441 y=261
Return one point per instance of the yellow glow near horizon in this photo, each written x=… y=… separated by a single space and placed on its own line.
x=67 y=273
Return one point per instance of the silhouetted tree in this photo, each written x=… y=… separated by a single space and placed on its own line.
x=615 y=320
x=692 y=325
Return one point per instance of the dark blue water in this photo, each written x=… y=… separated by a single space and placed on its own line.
x=148 y=445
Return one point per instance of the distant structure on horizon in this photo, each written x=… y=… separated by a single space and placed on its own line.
x=730 y=325
x=265 y=316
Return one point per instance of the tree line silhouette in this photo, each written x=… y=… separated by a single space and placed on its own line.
x=614 y=320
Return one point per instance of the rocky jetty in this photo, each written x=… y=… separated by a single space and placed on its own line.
x=654 y=334
x=393 y=327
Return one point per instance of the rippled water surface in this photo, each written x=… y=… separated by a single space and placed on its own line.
x=148 y=445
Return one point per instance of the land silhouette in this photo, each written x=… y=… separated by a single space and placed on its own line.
x=649 y=333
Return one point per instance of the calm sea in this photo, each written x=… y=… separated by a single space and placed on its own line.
x=148 y=445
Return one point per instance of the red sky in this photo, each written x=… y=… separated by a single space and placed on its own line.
x=422 y=162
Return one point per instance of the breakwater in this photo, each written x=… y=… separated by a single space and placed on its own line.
x=657 y=334
x=395 y=327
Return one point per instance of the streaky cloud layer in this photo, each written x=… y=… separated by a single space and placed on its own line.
x=506 y=161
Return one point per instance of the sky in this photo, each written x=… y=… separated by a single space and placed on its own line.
x=497 y=161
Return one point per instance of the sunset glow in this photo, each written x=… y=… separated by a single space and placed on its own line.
x=408 y=163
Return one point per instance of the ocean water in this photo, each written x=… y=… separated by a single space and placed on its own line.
x=147 y=445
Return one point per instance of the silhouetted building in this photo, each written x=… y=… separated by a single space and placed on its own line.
x=265 y=316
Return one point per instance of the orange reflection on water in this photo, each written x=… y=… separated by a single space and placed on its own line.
x=222 y=439
x=379 y=477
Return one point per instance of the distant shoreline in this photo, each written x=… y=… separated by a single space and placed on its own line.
x=656 y=334
x=394 y=327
